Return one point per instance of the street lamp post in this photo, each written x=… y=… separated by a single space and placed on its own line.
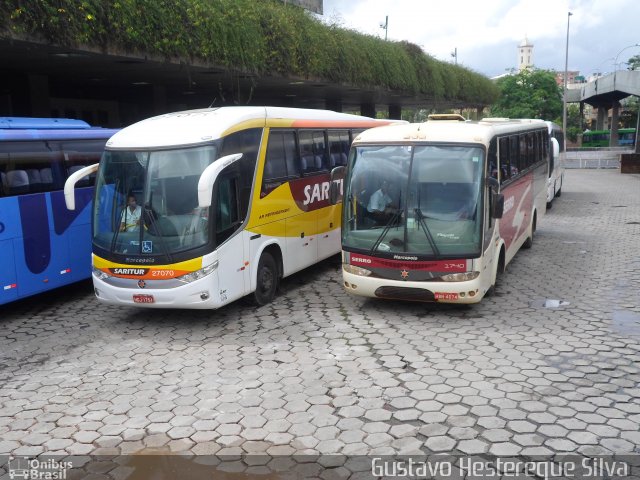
x=615 y=64
x=385 y=27
x=564 y=90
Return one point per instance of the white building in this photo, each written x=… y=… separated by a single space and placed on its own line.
x=525 y=55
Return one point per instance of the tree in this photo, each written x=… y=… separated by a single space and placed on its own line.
x=634 y=63
x=528 y=94
x=574 y=123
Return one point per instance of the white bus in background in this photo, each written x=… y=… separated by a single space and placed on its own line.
x=557 y=157
x=434 y=212
x=197 y=209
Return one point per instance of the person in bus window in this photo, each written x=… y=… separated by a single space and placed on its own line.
x=130 y=219
x=380 y=200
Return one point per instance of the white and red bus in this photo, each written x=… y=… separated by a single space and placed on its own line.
x=435 y=211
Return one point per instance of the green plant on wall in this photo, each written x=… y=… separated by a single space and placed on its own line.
x=245 y=36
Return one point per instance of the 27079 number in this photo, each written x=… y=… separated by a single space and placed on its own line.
x=162 y=273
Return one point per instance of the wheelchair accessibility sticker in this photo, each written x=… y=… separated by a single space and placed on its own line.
x=147 y=246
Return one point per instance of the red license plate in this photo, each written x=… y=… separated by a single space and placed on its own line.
x=143 y=299
x=445 y=296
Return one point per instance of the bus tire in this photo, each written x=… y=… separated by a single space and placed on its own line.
x=499 y=272
x=528 y=243
x=549 y=205
x=559 y=192
x=266 y=280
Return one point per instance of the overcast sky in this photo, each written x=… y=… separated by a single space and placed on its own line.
x=486 y=32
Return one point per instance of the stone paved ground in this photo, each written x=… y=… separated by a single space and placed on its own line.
x=319 y=371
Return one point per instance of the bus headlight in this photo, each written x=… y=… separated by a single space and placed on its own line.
x=460 y=277
x=198 y=274
x=352 y=269
x=100 y=275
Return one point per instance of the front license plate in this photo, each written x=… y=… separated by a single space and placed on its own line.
x=143 y=299
x=445 y=296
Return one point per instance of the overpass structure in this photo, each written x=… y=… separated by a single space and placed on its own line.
x=112 y=63
x=605 y=93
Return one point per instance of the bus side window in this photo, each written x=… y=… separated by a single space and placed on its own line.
x=4 y=162
x=514 y=155
x=30 y=167
x=281 y=163
x=522 y=160
x=338 y=148
x=80 y=154
x=505 y=166
x=493 y=159
x=246 y=142
x=313 y=156
x=227 y=211
x=320 y=150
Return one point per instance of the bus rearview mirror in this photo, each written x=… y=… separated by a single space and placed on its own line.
x=493 y=183
x=209 y=175
x=337 y=176
x=70 y=184
x=497 y=205
x=555 y=148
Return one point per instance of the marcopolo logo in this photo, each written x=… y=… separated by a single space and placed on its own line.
x=135 y=272
x=26 y=468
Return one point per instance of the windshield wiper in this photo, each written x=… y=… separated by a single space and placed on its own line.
x=150 y=214
x=423 y=223
x=386 y=228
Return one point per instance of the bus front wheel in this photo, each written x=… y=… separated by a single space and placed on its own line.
x=267 y=280
x=528 y=243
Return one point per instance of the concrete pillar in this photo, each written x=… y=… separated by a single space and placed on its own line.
x=395 y=112
x=602 y=118
x=368 y=110
x=39 y=95
x=334 y=104
x=615 y=108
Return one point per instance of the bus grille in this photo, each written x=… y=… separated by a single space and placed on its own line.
x=405 y=293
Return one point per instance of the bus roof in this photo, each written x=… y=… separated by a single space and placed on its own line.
x=70 y=134
x=20 y=123
x=200 y=126
x=458 y=132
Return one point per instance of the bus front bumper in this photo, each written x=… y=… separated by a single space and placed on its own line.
x=440 y=292
x=199 y=294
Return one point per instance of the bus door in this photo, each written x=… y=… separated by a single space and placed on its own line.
x=232 y=268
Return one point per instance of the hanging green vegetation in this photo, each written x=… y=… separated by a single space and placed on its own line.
x=259 y=37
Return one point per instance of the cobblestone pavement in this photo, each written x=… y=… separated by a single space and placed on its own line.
x=319 y=371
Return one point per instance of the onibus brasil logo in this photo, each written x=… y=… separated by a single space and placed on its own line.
x=26 y=468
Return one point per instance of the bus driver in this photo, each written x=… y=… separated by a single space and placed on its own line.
x=130 y=220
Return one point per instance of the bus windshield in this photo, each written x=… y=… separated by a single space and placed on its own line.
x=147 y=201
x=425 y=200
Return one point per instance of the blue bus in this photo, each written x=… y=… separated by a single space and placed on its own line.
x=42 y=244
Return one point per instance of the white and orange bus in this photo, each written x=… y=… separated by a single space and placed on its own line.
x=196 y=209
x=435 y=211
